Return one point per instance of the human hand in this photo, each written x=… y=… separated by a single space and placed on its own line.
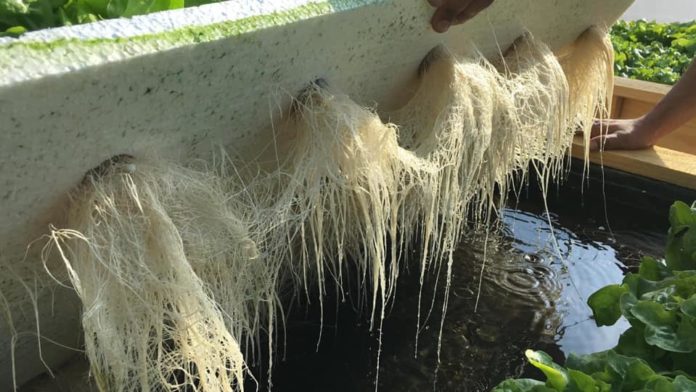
x=633 y=134
x=453 y=12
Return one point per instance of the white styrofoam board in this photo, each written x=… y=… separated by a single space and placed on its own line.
x=179 y=83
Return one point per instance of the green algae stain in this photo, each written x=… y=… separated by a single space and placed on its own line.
x=190 y=34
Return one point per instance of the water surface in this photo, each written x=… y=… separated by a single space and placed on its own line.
x=536 y=281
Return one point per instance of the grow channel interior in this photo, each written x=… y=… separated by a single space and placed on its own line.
x=536 y=282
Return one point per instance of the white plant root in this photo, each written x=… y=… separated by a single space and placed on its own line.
x=181 y=270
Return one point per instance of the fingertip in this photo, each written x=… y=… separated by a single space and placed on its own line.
x=598 y=128
x=442 y=25
x=443 y=18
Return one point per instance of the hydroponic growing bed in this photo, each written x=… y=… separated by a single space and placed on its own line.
x=112 y=179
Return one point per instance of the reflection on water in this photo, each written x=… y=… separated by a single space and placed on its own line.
x=580 y=267
x=533 y=295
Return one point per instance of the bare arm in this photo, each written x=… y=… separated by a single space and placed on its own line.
x=676 y=108
x=452 y=12
x=673 y=111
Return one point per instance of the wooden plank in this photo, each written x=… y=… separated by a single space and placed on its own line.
x=633 y=108
x=617 y=103
x=640 y=90
x=683 y=139
x=635 y=98
x=658 y=163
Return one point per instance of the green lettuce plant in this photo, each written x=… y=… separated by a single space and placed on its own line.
x=656 y=52
x=658 y=351
x=607 y=371
x=19 y=16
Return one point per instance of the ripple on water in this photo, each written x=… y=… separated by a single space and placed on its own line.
x=527 y=285
x=536 y=281
x=535 y=286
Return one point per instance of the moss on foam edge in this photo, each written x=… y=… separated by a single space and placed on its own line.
x=16 y=52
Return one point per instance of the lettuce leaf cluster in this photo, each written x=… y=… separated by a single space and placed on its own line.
x=658 y=351
x=655 y=52
x=607 y=371
x=19 y=16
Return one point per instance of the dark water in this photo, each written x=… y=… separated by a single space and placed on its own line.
x=533 y=295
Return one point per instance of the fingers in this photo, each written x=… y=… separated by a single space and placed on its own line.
x=619 y=141
x=596 y=144
x=452 y=12
x=605 y=135
x=607 y=142
x=632 y=134
x=598 y=128
x=472 y=10
x=447 y=13
x=601 y=127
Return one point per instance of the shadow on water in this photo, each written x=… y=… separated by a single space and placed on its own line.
x=533 y=295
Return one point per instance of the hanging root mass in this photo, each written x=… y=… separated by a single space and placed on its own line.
x=181 y=270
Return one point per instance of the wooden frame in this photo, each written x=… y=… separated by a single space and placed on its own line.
x=672 y=160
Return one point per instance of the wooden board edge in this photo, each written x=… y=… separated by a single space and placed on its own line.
x=658 y=163
x=640 y=90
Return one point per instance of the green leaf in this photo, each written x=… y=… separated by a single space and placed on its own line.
x=621 y=372
x=684 y=42
x=684 y=283
x=681 y=214
x=605 y=304
x=688 y=307
x=664 y=328
x=651 y=269
x=14 y=31
x=683 y=384
x=680 y=252
x=523 y=385
x=627 y=303
x=660 y=384
x=557 y=377
x=684 y=362
x=581 y=382
x=632 y=343
x=13 y=6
